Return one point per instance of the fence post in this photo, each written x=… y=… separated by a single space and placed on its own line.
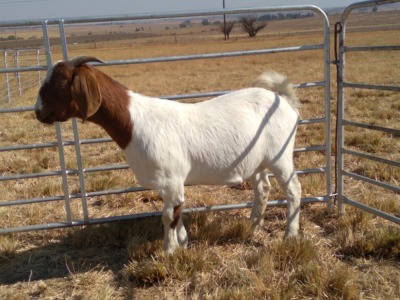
x=7 y=77
x=340 y=128
x=18 y=74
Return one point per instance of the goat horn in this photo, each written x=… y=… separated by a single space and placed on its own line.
x=80 y=60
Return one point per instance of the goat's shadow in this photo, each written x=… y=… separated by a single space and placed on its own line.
x=80 y=249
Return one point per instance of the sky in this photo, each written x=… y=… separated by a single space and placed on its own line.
x=11 y=10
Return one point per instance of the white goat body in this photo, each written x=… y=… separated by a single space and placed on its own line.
x=225 y=140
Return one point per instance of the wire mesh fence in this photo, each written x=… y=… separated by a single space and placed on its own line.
x=14 y=84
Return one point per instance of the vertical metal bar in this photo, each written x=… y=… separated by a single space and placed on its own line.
x=67 y=200
x=63 y=39
x=223 y=6
x=340 y=117
x=327 y=89
x=16 y=65
x=46 y=43
x=77 y=141
x=38 y=64
x=7 y=77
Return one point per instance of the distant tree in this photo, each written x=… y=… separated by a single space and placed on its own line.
x=205 y=22
x=251 y=26
x=227 y=28
x=184 y=24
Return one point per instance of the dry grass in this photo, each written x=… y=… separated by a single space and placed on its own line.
x=331 y=260
x=354 y=257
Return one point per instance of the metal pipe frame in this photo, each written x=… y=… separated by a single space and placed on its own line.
x=342 y=121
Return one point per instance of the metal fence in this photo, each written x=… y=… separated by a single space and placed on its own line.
x=12 y=85
x=76 y=142
x=343 y=151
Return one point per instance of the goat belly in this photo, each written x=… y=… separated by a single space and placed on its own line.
x=223 y=169
x=152 y=168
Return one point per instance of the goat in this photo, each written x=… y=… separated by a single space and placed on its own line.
x=223 y=141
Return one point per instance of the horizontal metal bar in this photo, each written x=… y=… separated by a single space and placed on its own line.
x=58 y=173
x=17 y=109
x=311 y=171
x=370 y=48
x=393 y=131
x=107 y=140
x=371 y=157
x=114 y=191
x=310 y=84
x=310 y=149
x=155 y=16
x=393 y=188
x=371 y=86
x=220 y=93
x=54 y=144
x=179 y=58
x=312 y=121
x=210 y=55
x=28 y=146
x=95 y=141
x=29 y=175
x=23 y=69
x=137 y=189
x=94 y=221
x=106 y=168
x=73 y=196
x=198 y=95
x=363 y=4
x=101 y=140
x=306 y=171
x=30 y=201
x=372 y=210
x=126 y=166
x=174 y=97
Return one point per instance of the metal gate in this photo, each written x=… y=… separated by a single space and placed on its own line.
x=80 y=192
x=347 y=154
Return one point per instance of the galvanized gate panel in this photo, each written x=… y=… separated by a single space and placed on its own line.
x=71 y=192
x=343 y=150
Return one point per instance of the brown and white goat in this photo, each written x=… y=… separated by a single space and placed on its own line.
x=225 y=140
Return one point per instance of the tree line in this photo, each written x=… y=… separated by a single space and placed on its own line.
x=252 y=24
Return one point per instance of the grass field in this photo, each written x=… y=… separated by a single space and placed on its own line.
x=353 y=257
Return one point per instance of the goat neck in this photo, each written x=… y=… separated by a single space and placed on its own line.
x=113 y=114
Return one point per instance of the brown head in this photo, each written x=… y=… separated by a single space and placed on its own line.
x=69 y=90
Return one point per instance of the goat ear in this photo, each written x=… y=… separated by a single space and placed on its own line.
x=86 y=92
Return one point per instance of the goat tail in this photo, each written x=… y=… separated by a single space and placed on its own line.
x=279 y=84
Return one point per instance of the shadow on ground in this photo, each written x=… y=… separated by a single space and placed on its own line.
x=97 y=247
